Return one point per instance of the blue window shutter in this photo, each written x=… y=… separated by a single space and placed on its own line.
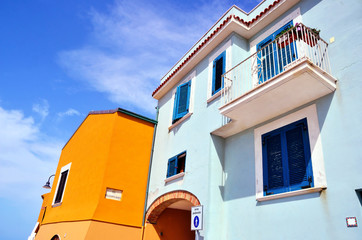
x=286 y=159
x=182 y=100
x=273 y=164
x=299 y=162
x=218 y=71
x=172 y=166
x=175 y=105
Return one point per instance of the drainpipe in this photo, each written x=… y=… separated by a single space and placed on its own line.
x=149 y=171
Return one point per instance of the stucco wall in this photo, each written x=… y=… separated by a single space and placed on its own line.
x=221 y=172
x=107 y=151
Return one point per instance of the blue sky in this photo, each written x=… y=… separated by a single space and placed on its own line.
x=61 y=59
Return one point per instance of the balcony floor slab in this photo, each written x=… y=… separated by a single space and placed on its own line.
x=300 y=84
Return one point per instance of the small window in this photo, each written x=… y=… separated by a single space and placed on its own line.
x=218 y=71
x=287 y=159
x=59 y=193
x=182 y=101
x=176 y=164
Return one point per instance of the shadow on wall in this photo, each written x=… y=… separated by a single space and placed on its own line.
x=237 y=157
x=172 y=224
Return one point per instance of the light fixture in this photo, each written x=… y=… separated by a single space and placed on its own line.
x=47 y=184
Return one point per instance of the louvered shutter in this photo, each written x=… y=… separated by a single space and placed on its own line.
x=182 y=99
x=172 y=166
x=273 y=170
x=299 y=165
x=287 y=159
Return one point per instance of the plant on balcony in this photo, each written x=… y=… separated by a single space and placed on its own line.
x=299 y=32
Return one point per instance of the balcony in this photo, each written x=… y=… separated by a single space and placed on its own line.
x=291 y=71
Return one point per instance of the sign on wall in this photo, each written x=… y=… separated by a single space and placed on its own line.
x=196 y=217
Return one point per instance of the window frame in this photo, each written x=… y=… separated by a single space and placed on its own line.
x=176 y=171
x=285 y=174
x=318 y=170
x=274 y=58
x=176 y=116
x=223 y=57
x=65 y=168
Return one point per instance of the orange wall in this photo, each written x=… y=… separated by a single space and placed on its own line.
x=107 y=150
x=127 y=170
x=88 y=230
x=173 y=223
x=46 y=198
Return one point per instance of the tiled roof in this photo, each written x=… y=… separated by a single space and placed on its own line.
x=246 y=23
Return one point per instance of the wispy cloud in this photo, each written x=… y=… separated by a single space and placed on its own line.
x=27 y=156
x=69 y=112
x=42 y=108
x=131 y=48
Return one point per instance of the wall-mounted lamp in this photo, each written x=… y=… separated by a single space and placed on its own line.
x=47 y=184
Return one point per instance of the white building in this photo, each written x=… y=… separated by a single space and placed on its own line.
x=260 y=123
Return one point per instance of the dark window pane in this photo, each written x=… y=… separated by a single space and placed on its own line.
x=218 y=72
x=59 y=195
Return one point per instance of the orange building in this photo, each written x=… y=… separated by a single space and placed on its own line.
x=100 y=184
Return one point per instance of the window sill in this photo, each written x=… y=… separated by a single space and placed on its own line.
x=213 y=97
x=179 y=121
x=177 y=176
x=290 y=194
x=57 y=204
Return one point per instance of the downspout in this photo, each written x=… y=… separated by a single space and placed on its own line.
x=149 y=172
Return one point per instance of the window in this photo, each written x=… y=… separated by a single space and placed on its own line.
x=176 y=164
x=182 y=101
x=272 y=58
x=62 y=181
x=280 y=148
x=359 y=195
x=286 y=159
x=218 y=71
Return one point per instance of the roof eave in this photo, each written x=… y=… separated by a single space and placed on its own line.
x=235 y=24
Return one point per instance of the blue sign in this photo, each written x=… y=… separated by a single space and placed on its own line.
x=196 y=221
x=196 y=217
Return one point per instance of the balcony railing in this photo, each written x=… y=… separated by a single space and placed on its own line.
x=294 y=46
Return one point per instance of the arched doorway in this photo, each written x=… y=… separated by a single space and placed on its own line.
x=169 y=216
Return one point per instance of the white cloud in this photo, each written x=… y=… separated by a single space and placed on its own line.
x=69 y=112
x=42 y=108
x=131 y=48
x=27 y=157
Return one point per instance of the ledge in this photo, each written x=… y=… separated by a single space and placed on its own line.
x=290 y=194
x=213 y=97
x=179 y=121
x=174 y=177
x=57 y=204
